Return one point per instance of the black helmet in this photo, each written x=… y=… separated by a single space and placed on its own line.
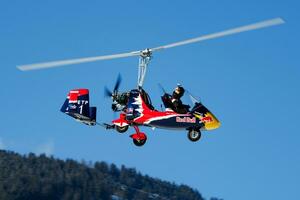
x=178 y=92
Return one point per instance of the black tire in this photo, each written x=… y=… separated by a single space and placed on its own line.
x=139 y=142
x=122 y=129
x=194 y=135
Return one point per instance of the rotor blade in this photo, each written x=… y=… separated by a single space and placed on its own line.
x=259 y=25
x=118 y=82
x=74 y=61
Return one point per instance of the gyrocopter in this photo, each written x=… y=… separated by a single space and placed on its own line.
x=135 y=106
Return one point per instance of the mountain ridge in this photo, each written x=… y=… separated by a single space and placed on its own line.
x=40 y=177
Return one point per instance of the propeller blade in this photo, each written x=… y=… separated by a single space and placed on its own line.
x=75 y=61
x=107 y=92
x=118 y=82
x=259 y=25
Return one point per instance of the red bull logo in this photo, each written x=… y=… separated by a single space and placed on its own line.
x=207 y=119
x=186 y=119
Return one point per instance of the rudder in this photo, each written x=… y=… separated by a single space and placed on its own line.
x=77 y=106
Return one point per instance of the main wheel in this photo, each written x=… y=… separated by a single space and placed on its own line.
x=139 y=142
x=122 y=129
x=194 y=135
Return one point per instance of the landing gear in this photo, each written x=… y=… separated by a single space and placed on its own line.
x=194 y=135
x=139 y=138
x=138 y=142
x=122 y=129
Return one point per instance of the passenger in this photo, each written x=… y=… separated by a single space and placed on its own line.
x=177 y=103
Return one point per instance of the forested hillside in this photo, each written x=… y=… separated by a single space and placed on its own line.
x=41 y=177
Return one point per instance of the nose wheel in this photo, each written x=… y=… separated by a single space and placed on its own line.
x=194 y=135
x=138 y=138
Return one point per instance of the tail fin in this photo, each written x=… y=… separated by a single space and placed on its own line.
x=77 y=106
x=207 y=118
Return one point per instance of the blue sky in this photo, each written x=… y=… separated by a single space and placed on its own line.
x=250 y=81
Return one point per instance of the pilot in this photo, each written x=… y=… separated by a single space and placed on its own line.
x=177 y=103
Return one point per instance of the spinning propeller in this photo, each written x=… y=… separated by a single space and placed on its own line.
x=147 y=52
x=113 y=94
x=119 y=100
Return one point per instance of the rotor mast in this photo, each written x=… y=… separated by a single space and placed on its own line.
x=144 y=61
